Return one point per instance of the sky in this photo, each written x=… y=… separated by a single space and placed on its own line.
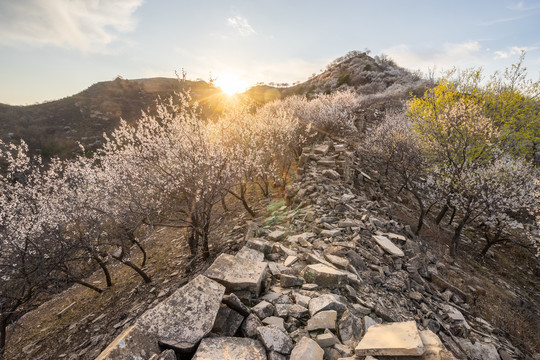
x=51 y=49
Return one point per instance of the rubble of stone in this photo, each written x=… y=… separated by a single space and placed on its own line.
x=335 y=280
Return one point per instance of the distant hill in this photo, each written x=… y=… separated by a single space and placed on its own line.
x=55 y=127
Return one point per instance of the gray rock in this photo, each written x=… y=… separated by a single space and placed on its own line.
x=344 y=350
x=250 y=325
x=291 y=259
x=339 y=262
x=302 y=300
x=167 y=355
x=235 y=303
x=323 y=275
x=182 y=320
x=249 y=253
x=272 y=355
x=276 y=268
x=275 y=321
x=393 y=339
x=275 y=339
x=263 y=309
x=238 y=274
x=331 y=174
x=327 y=302
x=307 y=349
x=227 y=321
x=276 y=235
x=230 y=348
x=323 y=320
x=479 y=350
x=260 y=245
x=350 y=329
x=327 y=339
x=388 y=245
x=131 y=343
x=282 y=310
x=287 y=281
x=321 y=149
x=368 y=322
x=297 y=311
x=331 y=233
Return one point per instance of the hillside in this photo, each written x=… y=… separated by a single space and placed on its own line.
x=55 y=127
x=338 y=254
x=325 y=225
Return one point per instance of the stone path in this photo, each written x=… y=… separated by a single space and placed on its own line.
x=334 y=280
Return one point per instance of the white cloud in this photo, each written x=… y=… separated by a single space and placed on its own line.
x=86 y=25
x=464 y=54
x=514 y=50
x=522 y=6
x=241 y=25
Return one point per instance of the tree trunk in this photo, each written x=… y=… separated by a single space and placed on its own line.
x=103 y=267
x=3 y=333
x=457 y=234
x=453 y=215
x=242 y=197
x=490 y=242
x=139 y=271
x=224 y=205
x=206 y=233
x=143 y=251
x=443 y=212
x=422 y=209
x=88 y=285
x=265 y=190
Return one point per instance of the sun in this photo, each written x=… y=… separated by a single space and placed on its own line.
x=231 y=85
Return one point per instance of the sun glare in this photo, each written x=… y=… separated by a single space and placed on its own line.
x=231 y=85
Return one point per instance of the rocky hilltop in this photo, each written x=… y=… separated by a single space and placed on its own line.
x=330 y=275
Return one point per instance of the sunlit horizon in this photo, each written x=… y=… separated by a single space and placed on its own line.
x=231 y=84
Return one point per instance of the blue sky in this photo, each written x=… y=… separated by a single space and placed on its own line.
x=55 y=48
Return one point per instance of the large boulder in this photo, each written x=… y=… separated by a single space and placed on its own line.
x=188 y=315
x=324 y=276
x=393 y=339
x=230 y=348
x=132 y=343
x=237 y=273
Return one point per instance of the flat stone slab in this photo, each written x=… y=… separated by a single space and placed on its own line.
x=237 y=273
x=230 y=348
x=323 y=275
x=132 y=343
x=388 y=245
x=392 y=339
x=186 y=316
